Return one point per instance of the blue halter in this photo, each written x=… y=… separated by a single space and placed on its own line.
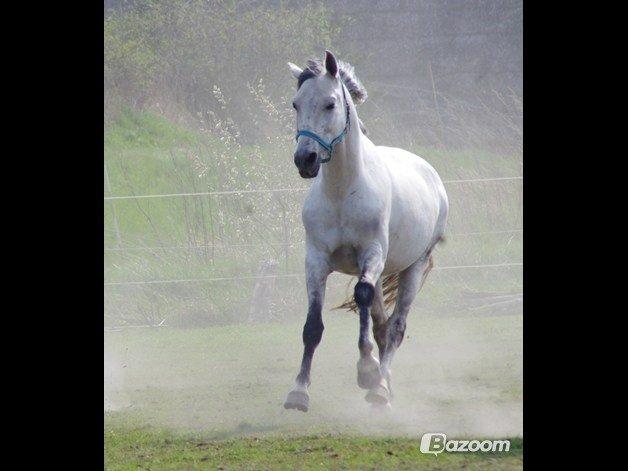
x=329 y=146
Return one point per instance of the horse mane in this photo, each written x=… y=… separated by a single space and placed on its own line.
x=315 y=67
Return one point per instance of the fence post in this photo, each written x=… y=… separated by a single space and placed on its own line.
x=113 y=208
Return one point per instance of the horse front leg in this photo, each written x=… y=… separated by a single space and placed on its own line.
x=317 y=272
x=369 y=298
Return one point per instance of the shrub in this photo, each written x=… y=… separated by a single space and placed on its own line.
x=158 y=53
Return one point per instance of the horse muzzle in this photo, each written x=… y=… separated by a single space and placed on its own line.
x=308 y=163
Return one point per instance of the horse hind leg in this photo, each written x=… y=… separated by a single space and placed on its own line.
x=410 y=283
x=378 y=315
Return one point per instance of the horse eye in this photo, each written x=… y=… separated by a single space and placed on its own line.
x=330 y=106
x=294 y=105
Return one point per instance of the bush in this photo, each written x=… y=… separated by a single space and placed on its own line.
x=160 y=54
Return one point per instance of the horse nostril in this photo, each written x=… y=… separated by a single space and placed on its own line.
x=311 y=158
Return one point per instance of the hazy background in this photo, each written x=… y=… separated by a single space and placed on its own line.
x=197 y=98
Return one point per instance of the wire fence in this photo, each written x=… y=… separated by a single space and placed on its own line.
x=288 y=275
x=156 y=286
x=285 y=244
x=277 y=190
x=275 y=244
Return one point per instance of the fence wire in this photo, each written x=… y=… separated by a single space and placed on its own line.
x=276 y=190
x=288 y=275
x=299 y=243
x=273 y=244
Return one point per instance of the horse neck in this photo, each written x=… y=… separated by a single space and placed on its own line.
x=346 y=163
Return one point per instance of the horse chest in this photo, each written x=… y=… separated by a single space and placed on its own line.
x=341 y=226
x=341 y=233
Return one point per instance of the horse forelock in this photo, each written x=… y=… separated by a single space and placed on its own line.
x=315 y=67
x=306 y=74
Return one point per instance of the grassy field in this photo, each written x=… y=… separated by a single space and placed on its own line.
x=180 y=399
x=233 y=235
x=159 y=449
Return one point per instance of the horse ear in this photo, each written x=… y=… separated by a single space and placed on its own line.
x=295 y=69
x=330 y=64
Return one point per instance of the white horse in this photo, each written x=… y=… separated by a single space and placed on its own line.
x=372 y=211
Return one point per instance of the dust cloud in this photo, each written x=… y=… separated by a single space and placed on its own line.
x=451 y=375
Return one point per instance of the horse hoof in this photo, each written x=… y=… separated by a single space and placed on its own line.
x=368 y=373
x=297 y=400
x=378 y=395
x=381 y=408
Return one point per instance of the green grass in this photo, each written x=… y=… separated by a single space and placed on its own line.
x=146 y=130
x=161 y=449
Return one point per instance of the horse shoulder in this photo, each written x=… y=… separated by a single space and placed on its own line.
x=319 y=220
x=313 y=210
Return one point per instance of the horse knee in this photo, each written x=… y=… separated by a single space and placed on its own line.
x=313 y=331
x=363 y=294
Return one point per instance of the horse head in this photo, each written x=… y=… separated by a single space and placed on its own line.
x=323 y=110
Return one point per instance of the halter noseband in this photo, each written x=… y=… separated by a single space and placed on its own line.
x=329 y=147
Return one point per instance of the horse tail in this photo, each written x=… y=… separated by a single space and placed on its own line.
x=390 y=284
